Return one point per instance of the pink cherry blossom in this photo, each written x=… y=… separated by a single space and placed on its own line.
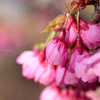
x=77 y=50
x=77 y=63
x=64 y=76
x=94 y=64
x=81 y=69
x=30 y=63
x=89 y=66
x=71 y=31
x=51 y=93
x=45 y=74
x=34 y=66
x=90 y=34
x=69 y=77
x=57 y=51
x=68 y=94
x=60 y=72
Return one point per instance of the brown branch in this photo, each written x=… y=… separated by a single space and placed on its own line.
x=96 y=16
x=84 y=3
x=92 y=2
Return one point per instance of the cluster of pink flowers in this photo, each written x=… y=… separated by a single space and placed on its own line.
x=68 y=62
x=35 y=66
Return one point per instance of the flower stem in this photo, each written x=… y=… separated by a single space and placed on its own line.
x=67 y=6
x=95 y=5
x=78 y=26
x=51 y=35
x=70 y=14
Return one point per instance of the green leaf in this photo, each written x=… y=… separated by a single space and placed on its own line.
x=39 y=46
x=56 y=24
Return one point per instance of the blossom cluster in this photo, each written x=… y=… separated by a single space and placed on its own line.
x=69 y=62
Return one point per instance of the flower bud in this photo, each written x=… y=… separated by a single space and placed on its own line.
x=51 y=93
x=71 y=34
x=57 y=51
x=71 y=31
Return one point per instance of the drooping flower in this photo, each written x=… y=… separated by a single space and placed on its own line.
x=77 y=63
x=77 y=50
x=57 y=51
x=90 y=34
x=64 y=76
x=35 y=66
x=51 y=93
x=82 y=71
x=94 y=64
x=30 y=63
x=60 y=72
x=70 y=77
x=45 y=74
x=71 y=31
x=89 y=66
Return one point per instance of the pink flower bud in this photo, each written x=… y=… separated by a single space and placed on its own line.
x=71 y=31
x=51 y=93
x=57 y=51
x=90 y=34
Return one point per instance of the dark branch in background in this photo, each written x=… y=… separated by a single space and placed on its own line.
x=86 y=2
x=96 y=16
x=93 y=2
x=83 y=3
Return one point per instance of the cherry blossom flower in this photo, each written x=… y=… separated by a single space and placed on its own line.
x=94 y=64
x=45 y=74
x=64 y=76
x=77 y=50
x=90 y=34
x=71 y=31
x=34 y=66
x=81 y=69
x=56 y=51
x=51 y=93
x=30 y=63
